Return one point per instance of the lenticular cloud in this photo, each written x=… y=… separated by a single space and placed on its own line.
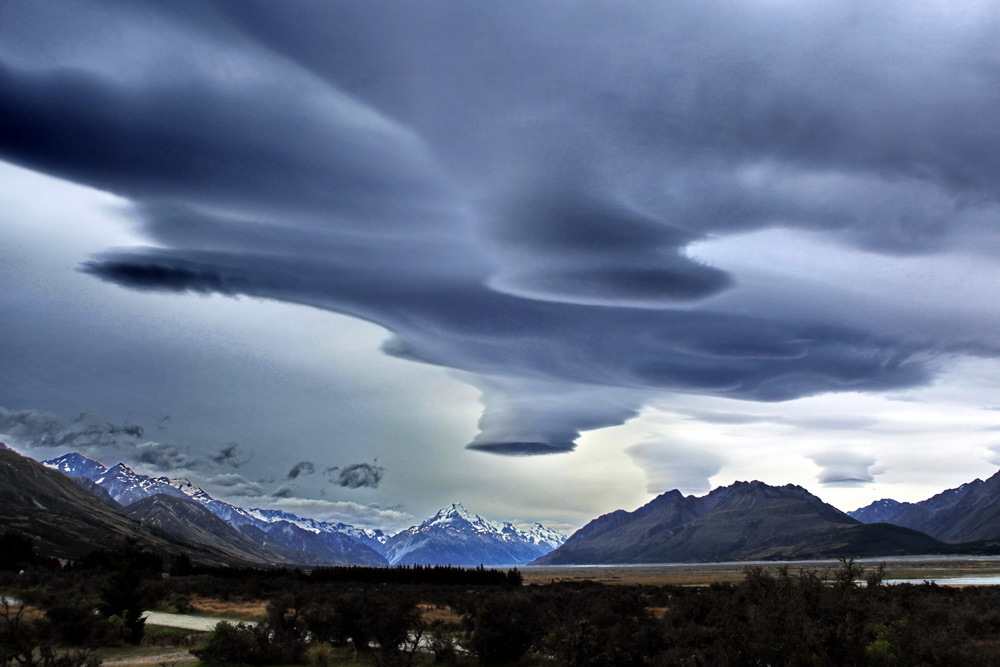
x=516 y=191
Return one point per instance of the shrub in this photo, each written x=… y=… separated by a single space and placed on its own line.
x=504 y=628
x=231 y=644
x=320 y=655
x=28 y=642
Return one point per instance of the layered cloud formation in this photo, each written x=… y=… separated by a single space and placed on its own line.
x=521 y=191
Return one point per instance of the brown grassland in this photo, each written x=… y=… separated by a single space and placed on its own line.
x=704 y=574
x=808 y=612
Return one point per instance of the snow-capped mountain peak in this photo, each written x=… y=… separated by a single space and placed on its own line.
x=372 y=538
x=543 y=536
x=190 y=490
x=456 y=515
x=452 y=535
x=306 y=540
x=456 y=536
x=123 y=484
x=77 y=465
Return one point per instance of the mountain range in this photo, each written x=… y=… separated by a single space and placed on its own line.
x=968 y=513
x=456 y=536
x=451 y=537
x=68 y=516
x=743 y=521
x=65 y=520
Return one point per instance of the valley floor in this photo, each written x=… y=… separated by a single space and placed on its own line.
x=943 y=570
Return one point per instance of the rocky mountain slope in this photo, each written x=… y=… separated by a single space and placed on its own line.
x=65 y=520
x=188 y=520
x=285 y=536
x=968 y=513
x=121 y=482
x=743 y=521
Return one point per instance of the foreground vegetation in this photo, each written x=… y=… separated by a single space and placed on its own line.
x=417 y=616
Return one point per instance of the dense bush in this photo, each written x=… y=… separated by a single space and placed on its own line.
x=772 y=617
x=126 y=593
x=505 y=625
x=783 y=619
x=29 y=642
x=587 y=627
x=232 y=644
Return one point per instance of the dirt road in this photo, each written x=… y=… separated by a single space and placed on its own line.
x=186 y=621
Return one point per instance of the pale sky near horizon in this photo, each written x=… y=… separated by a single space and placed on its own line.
x=546 y=259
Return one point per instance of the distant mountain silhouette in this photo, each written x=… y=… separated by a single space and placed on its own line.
x=968 y=513
x=309 y=548
x=743 y=521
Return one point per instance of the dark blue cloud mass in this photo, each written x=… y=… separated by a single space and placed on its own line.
x=517 y=190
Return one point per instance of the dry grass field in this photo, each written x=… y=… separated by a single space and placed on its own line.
x=703 y=574
x=240 y=610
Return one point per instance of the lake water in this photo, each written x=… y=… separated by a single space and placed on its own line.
x=990 y=580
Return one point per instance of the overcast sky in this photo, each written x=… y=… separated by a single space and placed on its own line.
x=363 y=259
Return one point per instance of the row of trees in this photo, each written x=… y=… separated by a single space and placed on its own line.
x=846 y=617
x=772 y=617
x=78 y=612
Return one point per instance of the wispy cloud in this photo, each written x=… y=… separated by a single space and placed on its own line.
x=284 y=491
x=233 y=484
x=388 y=518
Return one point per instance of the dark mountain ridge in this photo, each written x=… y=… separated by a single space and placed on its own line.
x=968 y=513
x=64 y=520
x=188 y=520
x=743 y=521
x=276 y=533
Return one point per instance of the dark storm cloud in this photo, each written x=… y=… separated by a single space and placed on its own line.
x=848 y=469
x=230 y=455
x=163 y=456
x=162 y=277
x=514 y=189
x=356 y=475
x=35 y=428
x=586 y=251
x=301 y=468
x=179 y=141
x=524 y=417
